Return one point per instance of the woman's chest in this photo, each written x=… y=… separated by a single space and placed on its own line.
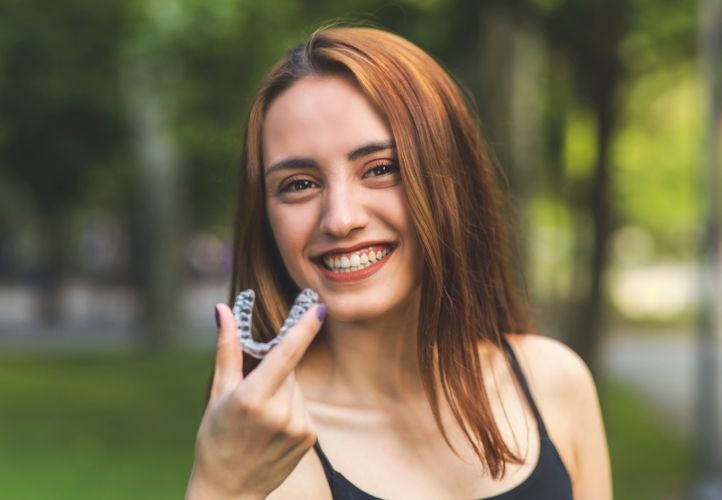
x=402 y=454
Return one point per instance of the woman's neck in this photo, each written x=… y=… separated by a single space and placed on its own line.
x=365 y=362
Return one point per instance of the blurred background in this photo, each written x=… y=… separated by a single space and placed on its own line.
x=120 y=133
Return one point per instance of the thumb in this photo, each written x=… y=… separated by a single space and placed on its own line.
x=228 y=371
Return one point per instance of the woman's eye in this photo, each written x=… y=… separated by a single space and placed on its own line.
x=382 y=169
x=297 y=185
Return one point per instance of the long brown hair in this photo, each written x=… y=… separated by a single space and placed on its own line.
x=450 y=183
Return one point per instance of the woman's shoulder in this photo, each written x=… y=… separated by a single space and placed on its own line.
x=560 y=381
x=565 y=393
x=551 y=366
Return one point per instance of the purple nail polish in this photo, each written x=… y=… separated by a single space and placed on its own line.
x=218 y=319
x=321 y=312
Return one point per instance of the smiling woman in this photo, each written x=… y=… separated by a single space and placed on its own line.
x=365 y=179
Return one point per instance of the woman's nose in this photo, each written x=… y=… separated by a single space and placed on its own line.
x=342 y=212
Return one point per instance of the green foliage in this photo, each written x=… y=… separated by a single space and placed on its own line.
x=580 y=146
x=59 y=94
x=657 y=181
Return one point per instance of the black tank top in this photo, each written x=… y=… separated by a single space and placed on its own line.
x=549 y=480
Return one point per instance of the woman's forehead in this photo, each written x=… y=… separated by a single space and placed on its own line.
x=320 y=116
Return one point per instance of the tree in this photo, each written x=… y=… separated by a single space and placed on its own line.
x=60 y=113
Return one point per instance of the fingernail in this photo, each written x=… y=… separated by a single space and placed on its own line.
x=321 y=312
x=218 y=319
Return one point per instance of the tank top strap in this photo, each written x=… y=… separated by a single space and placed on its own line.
x=524 y=385
x=327 y=467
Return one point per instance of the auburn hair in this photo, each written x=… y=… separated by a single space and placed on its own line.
x=450 y=181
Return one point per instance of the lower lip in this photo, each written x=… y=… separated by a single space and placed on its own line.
x=364 y=273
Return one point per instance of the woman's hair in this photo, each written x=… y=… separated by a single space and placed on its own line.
x=456 y=206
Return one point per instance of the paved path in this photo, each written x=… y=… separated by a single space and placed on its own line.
x=662 y=367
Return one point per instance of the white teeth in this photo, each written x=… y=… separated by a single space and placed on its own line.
x=355 y=261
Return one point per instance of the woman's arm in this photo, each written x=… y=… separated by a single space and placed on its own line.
x=591 y=477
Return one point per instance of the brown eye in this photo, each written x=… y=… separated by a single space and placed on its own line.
x=382 y=169
x=297 y=185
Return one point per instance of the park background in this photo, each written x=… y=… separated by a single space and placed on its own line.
x=120 y=132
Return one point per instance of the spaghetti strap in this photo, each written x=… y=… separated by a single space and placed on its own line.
x=327 y=467
x=524 y=386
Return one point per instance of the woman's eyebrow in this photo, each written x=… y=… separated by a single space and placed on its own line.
x=369 y=148
x=292 y=163
x=355 y=154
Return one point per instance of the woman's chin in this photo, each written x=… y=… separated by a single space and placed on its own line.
x=369 y=310
x=355 y=313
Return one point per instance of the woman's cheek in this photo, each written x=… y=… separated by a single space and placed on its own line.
x=292 y=229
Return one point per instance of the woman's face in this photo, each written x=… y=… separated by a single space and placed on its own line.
x=335 y=201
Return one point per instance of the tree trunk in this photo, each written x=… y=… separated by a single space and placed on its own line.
x=525 y=144
x=51 y=269
x=589 y=325
x=499 y=86
x=709 y=337
x=157 y=232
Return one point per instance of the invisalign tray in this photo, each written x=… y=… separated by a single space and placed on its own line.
x=243 y=311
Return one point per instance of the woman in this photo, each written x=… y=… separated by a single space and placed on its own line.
x=365 y=179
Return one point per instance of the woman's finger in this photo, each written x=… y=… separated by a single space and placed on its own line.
x=282 y=360
x=228 y=371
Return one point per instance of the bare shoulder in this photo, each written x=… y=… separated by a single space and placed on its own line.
x=552 y=365
x=560 y=381
x=564 y=390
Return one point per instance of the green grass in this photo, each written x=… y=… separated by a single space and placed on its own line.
x=118 y=426
x=649 y=461
x=99 y=426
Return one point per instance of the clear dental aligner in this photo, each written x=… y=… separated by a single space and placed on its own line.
x=243 y=311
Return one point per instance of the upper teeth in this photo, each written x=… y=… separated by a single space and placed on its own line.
x=354 y=261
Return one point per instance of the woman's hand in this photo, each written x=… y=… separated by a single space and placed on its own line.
x=255 y=429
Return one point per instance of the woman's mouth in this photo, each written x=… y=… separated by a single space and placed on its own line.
x=356 y=264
